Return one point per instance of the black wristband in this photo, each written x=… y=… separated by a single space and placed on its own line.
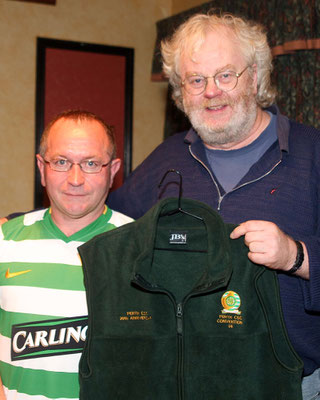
x=299 y=260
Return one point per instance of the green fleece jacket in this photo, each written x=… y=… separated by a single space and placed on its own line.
x=177 y=311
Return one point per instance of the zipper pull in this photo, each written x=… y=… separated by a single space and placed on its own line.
x=179 y=318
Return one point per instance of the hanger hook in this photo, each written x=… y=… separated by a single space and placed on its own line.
x=180 y=184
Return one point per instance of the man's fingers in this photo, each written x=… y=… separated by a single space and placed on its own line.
x=257 y=247
x=252 y=227
x=238 y=231
x=258 y=258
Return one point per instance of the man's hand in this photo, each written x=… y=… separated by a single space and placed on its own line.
x=269 y=246
x=2 y=395
x=3 y=220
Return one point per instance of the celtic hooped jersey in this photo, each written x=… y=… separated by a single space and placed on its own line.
x=43 y=310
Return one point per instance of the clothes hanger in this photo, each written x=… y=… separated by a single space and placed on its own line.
x=178 y=209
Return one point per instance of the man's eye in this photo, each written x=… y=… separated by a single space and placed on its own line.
x=60 y=162
x=91 y=164
x=196 y=80
x=225 y=76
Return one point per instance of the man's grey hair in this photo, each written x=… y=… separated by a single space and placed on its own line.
x=251 y=39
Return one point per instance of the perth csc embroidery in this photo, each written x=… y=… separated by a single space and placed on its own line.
x=135 y=316
x=231 y=303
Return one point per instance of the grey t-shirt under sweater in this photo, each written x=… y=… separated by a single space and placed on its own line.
x=230 y=166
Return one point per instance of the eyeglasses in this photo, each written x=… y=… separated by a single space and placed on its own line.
x=64 y=165
x=225 y=81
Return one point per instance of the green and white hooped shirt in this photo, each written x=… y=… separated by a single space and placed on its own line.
x=43 y=310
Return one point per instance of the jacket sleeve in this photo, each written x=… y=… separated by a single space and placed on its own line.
x=311 y=288
x=131 y=198
x=140 y=190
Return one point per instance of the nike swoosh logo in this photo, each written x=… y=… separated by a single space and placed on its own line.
x=13 y=274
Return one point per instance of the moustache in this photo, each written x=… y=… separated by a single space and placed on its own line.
x=210 y=104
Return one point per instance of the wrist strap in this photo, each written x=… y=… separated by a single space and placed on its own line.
x=299 y=260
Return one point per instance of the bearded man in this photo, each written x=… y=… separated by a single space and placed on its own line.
x=242 y=157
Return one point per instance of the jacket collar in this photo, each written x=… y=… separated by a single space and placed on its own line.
x=217 y=270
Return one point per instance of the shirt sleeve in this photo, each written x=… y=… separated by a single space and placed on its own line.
x=311 y=287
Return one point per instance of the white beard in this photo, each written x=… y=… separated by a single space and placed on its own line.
x=235 y=130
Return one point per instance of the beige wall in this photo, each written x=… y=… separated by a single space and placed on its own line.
x=129 y=23
x=182 y=5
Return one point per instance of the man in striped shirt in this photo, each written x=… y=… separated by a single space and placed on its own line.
x=43 y=310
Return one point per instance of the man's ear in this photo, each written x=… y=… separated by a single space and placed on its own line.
x=40 y=163
x=255 y=78
x=114 y=168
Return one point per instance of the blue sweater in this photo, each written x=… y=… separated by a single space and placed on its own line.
x=282 y=187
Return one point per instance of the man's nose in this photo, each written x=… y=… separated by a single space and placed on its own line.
x=75 y=175
x=211 y=89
